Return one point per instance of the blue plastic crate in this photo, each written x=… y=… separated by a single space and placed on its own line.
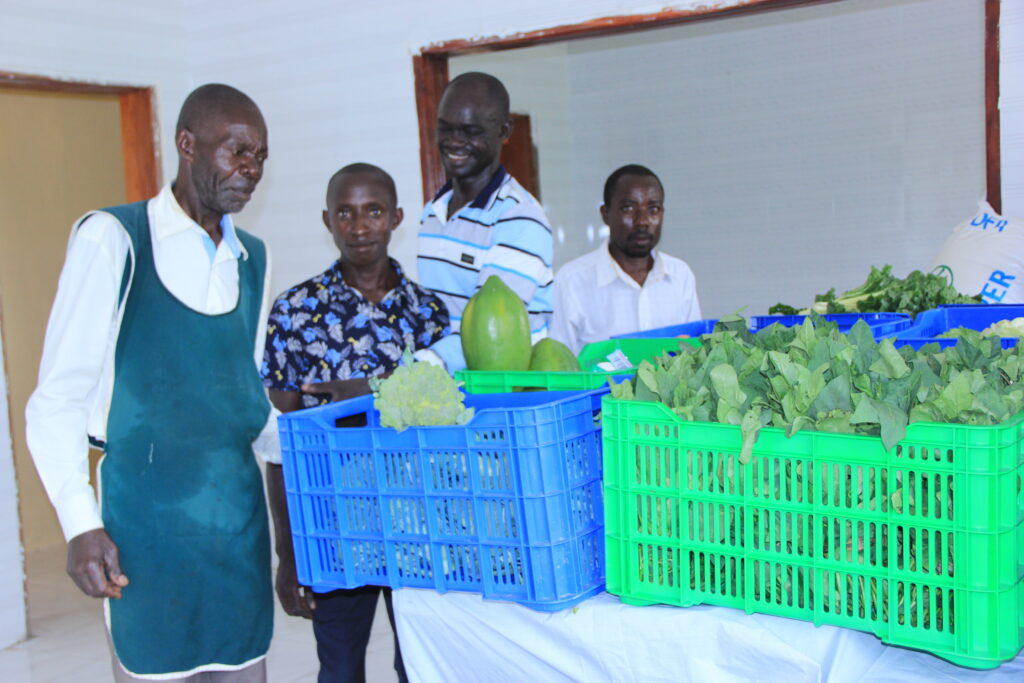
x=881 y=324
x=508 y=506
x=690 y=329
x=944 y=342
x=930 y=324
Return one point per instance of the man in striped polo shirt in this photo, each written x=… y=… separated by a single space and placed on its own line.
x=482 y=222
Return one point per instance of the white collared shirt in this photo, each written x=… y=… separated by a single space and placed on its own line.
x=76 y=372
x=595 y=299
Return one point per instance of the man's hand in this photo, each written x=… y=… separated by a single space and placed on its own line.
x=94 y=564
x=296 y=600
x=339 y=389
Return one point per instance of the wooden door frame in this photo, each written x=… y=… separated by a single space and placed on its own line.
x=430 y=71
x=139 y=143
x=139 y=129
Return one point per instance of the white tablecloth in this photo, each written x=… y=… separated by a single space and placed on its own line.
x=458 y=637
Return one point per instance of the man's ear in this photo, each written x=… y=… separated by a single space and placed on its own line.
x=604 y=214
x=185 y=141
x=399 y=216
x=506 y=130
x=327 y=221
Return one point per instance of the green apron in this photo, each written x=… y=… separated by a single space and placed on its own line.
x=182 y=494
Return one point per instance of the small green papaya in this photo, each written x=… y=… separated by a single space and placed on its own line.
x=549 y=355
x=495 y=329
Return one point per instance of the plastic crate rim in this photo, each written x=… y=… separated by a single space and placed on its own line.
x=609 y=402
x=355 y=404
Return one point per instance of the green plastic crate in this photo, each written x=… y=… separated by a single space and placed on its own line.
x=637 y=350
x=814 y=526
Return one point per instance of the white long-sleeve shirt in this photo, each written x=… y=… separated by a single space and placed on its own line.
x=76 y=372
x=595 y=299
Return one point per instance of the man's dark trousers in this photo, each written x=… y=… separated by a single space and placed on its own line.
x=341 y=622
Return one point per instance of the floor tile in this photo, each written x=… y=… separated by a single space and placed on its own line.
x=67 y=640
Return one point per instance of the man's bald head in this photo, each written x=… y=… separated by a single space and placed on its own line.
x=482 y=88
x=472 y=126
x=212 y=101
x=365 y=172
x=221 y=139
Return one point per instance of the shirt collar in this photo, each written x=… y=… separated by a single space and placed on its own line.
x=338 y=280
x=171 y=220
x=608 y=270
x=483 y=200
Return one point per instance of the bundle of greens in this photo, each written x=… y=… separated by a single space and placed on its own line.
x=884 y=292
x=813 y=377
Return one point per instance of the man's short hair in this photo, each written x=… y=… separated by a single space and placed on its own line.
x=211 y=100
x=493 y=89
x=628 y=169
x=365 y=169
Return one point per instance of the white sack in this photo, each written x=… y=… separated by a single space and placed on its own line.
x=985 y=255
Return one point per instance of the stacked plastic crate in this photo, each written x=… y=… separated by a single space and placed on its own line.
x=922 y=545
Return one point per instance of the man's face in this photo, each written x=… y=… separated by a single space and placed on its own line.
x=227 y=159
x=634 y=215
x=361 y=215
x=470 y=132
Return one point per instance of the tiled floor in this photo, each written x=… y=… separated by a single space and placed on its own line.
x=67 y=641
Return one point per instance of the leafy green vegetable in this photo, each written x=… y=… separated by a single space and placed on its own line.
x=419 y=395
x=812 y=377
x=884 y=292
x=783 y=309
x=1000 y=328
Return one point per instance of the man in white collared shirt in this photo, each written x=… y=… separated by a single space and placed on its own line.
x=625 y=285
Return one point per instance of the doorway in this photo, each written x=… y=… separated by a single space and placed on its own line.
x=519 y=155
x=68 y=148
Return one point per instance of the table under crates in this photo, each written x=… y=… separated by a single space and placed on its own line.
x=545 y=495
x=460 y=637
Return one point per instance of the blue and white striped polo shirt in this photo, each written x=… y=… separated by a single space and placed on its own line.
x=502 y=232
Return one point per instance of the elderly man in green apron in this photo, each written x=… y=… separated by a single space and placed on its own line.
x=152 y=349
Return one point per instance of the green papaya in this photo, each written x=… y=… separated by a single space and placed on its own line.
x=495 y=329
x=550 y=355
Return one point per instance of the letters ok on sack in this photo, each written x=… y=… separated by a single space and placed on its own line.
x=985 y=255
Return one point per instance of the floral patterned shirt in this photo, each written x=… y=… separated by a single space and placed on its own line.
x=323 y=329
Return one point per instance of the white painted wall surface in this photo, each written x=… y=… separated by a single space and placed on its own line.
x=121 y=42
x=335 y=83
x=1011 y=104
x=797 y=148
x=12 y=560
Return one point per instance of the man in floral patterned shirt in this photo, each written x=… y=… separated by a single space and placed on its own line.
x=325 y=338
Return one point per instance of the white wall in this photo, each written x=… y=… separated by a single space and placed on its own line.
x=335 y=83
x=12 y=573
x=1011 y=104
x=121 y=42
x=798 y=147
